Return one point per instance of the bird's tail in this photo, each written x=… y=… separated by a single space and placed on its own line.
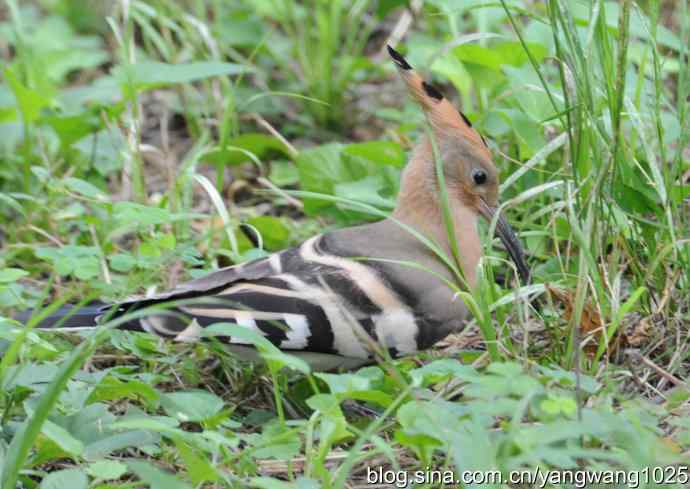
x=69 y=317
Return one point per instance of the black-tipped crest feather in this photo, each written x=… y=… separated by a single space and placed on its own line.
x=398 y=58
x=432 y=91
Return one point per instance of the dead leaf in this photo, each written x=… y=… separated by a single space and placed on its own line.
x=591 y=325
x=640 y=333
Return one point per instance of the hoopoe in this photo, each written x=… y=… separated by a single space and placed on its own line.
x=331 y=298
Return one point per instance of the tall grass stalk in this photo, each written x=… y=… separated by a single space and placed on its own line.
x=603 y=156
x=23 y=76
x=133 y=172
x=329 y=36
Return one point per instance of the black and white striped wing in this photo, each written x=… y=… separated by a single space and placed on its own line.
x=306 y=298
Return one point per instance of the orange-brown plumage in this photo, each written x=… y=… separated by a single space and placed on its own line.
x=443 y=116
x=470 y=175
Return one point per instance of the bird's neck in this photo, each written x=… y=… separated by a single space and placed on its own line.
x=419 y=207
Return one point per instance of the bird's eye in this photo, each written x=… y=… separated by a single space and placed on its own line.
x=479 y=177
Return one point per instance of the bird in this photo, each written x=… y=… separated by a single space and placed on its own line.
x=338 y=298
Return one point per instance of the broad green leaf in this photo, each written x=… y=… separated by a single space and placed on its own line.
x=284 y=173
x=423 y=445
x=154 y=74
x=276 y=358
x=679 y=193
x=277 y=441
x=166 y=241
x=106 y=469
x=111 y=388
x=80 y=261
x=677 y=396
x=381 y=152
x=8 y=112
x=474 y=53
x=370 y=395
x=464 y=439
x=31 y=375
x=26 y=435
x=12 y=202
x=30 y=102
x=328 y=404
x=103 y=149
x=8 y=275
x=130 y=214
x=559 y=405
x=62 y=438
x=569 y=379
x=245 y=335
x=73 y=211
x=240 y=30
x=199 y=468
x=155 y=477
x=506 y=369
x=193 y=405
x=112 y=443
x=239 y=149
x=367 y=190
x=334 y=427
x=90 y=423
x=529 y=93
x=498 y=54
x=67 y=478
x=529 y=134
x=271 y=483
x=344 y=383
x=149 y=250
x=510 y=383
x=439 y=370
x=357 y=172
x=58 y=50
x=512 y=53
x=122 y=262
x=161 y=424
x=82 y=187
x=274 y=233
x=384 y=7
x=93 y=426
x=320 y=169
x=72 y=128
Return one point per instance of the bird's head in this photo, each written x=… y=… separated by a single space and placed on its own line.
x=470 y=175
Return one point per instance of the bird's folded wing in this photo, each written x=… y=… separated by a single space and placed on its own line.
x=208 y=284
x=300 y=299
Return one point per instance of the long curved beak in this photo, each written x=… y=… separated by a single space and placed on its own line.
x=508 y=238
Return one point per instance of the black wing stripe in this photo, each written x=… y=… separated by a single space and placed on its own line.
x=169 y=326
x=208 y=284
x=395 y=324
x=430 y=330
x=327 y=303
x=273 y=329
x=337 y=328
x=291 y=323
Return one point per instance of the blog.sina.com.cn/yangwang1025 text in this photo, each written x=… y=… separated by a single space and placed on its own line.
x=537 y=477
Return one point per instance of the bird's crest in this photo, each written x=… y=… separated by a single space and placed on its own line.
x=443 y=116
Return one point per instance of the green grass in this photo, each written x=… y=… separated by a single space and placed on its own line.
x=136 y=140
